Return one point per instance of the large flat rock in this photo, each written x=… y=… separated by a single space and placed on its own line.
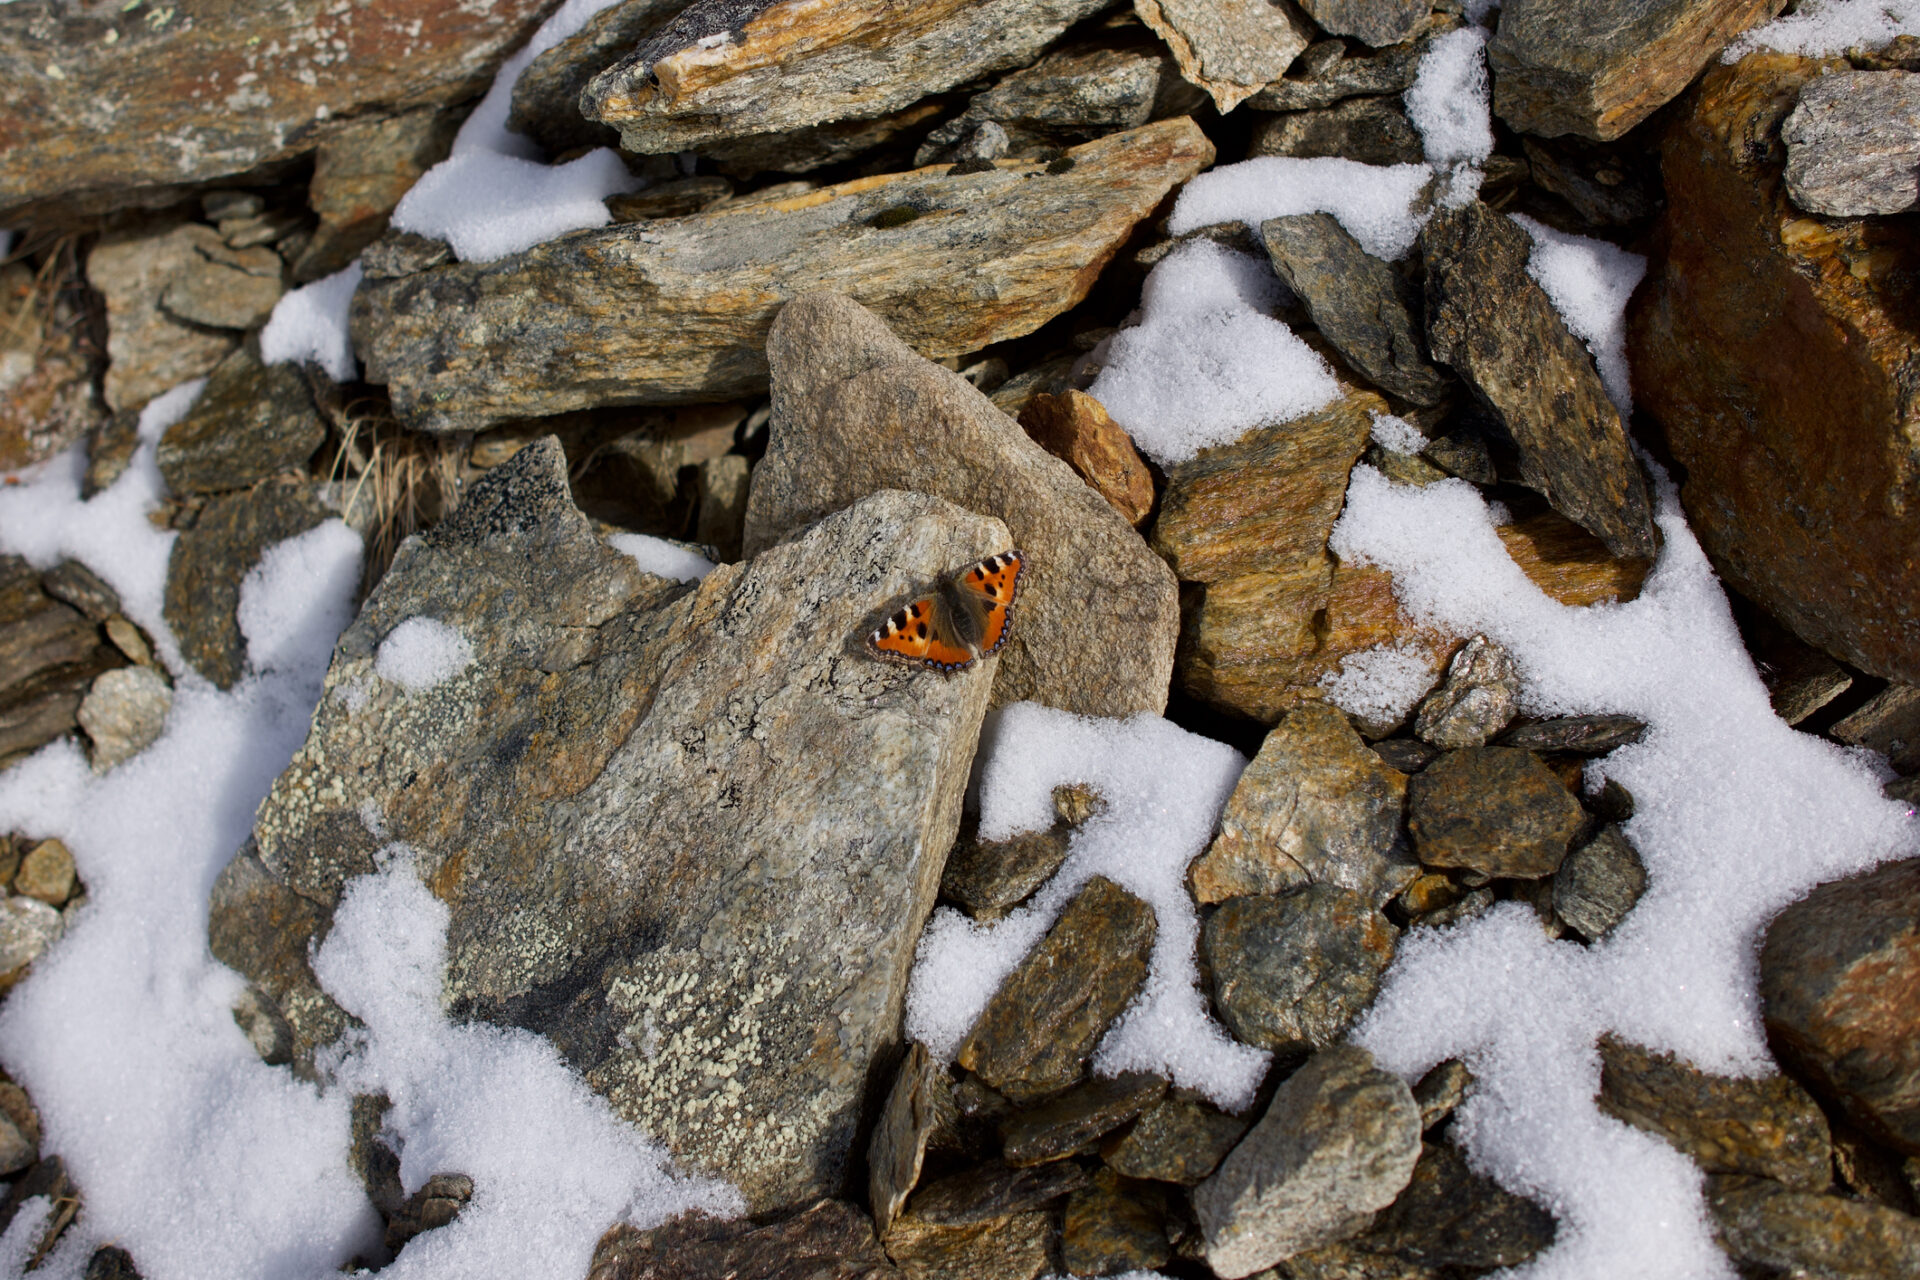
x=689 y=835
x=1779 y=354
x=676 y=310
x=856 y=411
x=728 y=68
x=110 y=105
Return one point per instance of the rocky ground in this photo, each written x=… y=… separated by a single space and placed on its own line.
x=1442 y=799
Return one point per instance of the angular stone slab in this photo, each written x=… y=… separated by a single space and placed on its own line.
x=689 y=835
x=1495 y=811
x=676 y=310
x=1450 y=1216
x=546 y=97
x=829 y=1240
x=149 y=351
x=855 y=410
x=1292 y=972
x=1488 y=319
x=1372 y=22
x=729 y=68
x=1230 y=49
x=1853 y=144
x=1779 y=1231
x=251 y=422
x=1599 y=67
x=85 y=92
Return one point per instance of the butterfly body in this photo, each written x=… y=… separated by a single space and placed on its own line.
x=967 y=616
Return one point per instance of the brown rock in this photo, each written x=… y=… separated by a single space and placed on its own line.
x=1373 y=22
x=1066 y=1123
x=954 y=263
x=988 y=877
x=1035 y=1035
x=1840 y=992
x=237 y=86
x=1776 y=352
x=1315 y=806
x=546 y=97
x=1889 y=723
x=252 y=421
x=46 y=379
x=830 y=1240
x=1180 y=1139
x=995 y=1190
x=1293 y=972
x=670 y=199
x=359 y=175
x=149 y=351
x=1599 y=67
x=1779 y=1231
x=1076 y=428
x=820 y=145
x=899 y=1143
x=1496 y=811
x=1112 y=1226
x=1230 y=48
x=1370 y=130
x=46 y=873
x=1450 y=1216
x=1016 y=1247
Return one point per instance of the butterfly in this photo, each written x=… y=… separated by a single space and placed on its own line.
x=966 y=617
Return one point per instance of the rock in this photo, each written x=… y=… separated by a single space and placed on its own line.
x=1870 y=1171
x=1339 y=1141
x=1495 y=811
x=1598 y=69
x=402 y=253
x=1479 y=697
x=49 y=654
x=1604 y=187
x=1488 y=319
x=855 y=410
x=1774 y=353
x=1069 y=1122
x=995 y=1191
x=1077 y=93
x=1178 y=1139
x=609 y=800
x=225 y=288
x=956 y=263
x=987 y=878
x=71 y=582
x=46 y=872
x=245 y=89
x=670 y=199
x=1799 y=678
x=815 y=147
x=31 y=722
x=1450 y=1216
x=209 y=561
x=123 y=714
x=546 y=97
x=28 y=926
x=1599 y=883
x=721 y=487
x=1347 y=1262
x=1314 y=807
x=266 y=1029
x=1889 y=723
x=1768 y=1127
x=1035 y=1035
x=252 y=421
x=1441 y=1090
x=438 y=1202
x=1231 y=50
x=47 y=399
x=1076 y=428
x=1851 y=149
x=1408 y=755
x=722 y=69
x=1017 y=1247
x=1360 y=304
x=1370 y=130
x=16 y=1151
x=829 y=1240
x=1586 y=735
x=1777 y=1231
x=1840 y=993
x=899 y=1144
x=1114 y=1226
x=1320 y=79
x=359 y=175
x=1293 y=973
x=111 y=1262
x=148 y=350
x=1372 y=22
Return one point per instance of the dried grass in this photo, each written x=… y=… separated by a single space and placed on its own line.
x=396 y=482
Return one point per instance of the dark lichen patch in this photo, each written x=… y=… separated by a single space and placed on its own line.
x=972 y=164
x=1063 y=165
x=898 y=215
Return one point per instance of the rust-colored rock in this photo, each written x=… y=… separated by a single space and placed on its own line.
x=110 y=105
x=360 y=174
x=1078 y=430
x=677 y=310
x=1781 y=355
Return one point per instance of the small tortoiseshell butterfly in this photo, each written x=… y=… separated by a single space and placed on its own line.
x=967 y=616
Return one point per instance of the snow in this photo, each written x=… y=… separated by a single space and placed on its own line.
x=197 y=1157
x=1375 y=203
x=1207 y=362
x=1589 y=281
x=1164 y=789
x=1822 y=28
x=309 y=324
x=1383 y=684
x=1396 y=435
x=662 y=558
x=422 y=652
x=492 y=196
x=1450 y=104
x=1716 y=778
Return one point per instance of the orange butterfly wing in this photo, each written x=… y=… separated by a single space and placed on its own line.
x=998 y=579
x=919 y=632
x=908 y=633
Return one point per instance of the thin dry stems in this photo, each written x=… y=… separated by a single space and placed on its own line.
x=407 y=480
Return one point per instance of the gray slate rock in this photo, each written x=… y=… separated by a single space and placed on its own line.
x=1476 y=701
x=912 y=1113
x=1488 y=319
x=1372 y=22
x=546 y=97
x=1292 y=973
x=251 y=422
x=690 y=835
x=222 y=287
x=1037 y=1032
x=987 y=878
x=1359 y=303
x=1067 y=1122
x=149 y=350
x=1494 y=811
x=1767 y=1127
x=1853 y=144
x=956 y=263
x=829 y=1240
x=1599 y=883
x=855 y=410
x=1889 y=723
x=1339 y=1141
x=1370 y=130
x=1442 y=1089
x=71 y=582
x=209 y=561
x=1326 y=74
x=1114 y=1226
x=1587 y=735
x=1179 y=1139
x=1450 y=1216
x=1779 y=1231
x=724 y=69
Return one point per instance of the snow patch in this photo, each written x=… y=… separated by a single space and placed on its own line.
x=421 y=653
x=1450 y=103
x=1823 y=28
x=661 y=558
x=1375 y=203
x=309 y=324
x=1589 y=282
